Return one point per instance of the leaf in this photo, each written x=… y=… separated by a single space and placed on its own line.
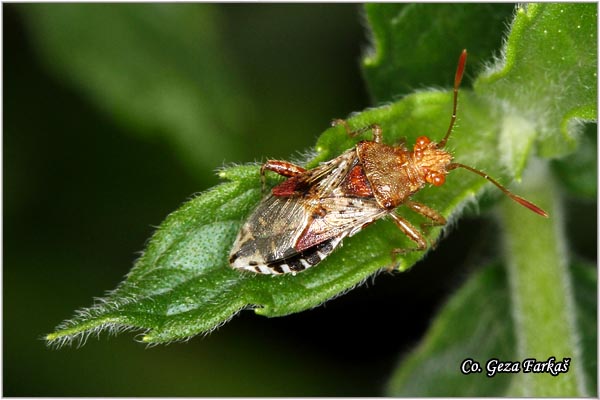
x=416 y=45
x=546 y=82
x=183 y=286
x=160 y=70
x=477 y=321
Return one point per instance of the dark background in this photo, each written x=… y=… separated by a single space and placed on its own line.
x=83 y=191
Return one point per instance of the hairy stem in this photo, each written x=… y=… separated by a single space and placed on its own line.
x=541 y=290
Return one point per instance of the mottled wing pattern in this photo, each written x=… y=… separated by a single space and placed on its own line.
x=339 y=216
x=290 y=234
x=270 y=232
x=326 y=178
x=320 y=181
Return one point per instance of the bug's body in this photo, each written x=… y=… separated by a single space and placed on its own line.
x=308 y=215
x=303 y=223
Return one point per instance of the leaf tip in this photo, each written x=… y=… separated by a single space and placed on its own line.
x=57 y=339
x=146 y=339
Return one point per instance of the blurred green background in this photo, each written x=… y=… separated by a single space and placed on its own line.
x=114 y=115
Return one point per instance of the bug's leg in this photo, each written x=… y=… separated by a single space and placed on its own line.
x=283 y=168
x=436 y=218
x=413 y=234
x=375 y=128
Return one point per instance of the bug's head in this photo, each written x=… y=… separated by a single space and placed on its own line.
x=433 y=164
x=431 y=161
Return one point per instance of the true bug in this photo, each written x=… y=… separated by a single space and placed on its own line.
x=308 y=215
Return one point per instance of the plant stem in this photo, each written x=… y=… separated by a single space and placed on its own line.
x=541 y=290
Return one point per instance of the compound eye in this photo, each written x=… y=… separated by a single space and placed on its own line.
x=436 y=179
x=422 y=142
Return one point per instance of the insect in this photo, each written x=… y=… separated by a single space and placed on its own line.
x=307 y=216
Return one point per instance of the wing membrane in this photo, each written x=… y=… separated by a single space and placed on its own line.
x=339 y=216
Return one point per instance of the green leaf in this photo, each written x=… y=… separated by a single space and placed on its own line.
x=416 y=45
x=477 y=323
x=159 y=70
x=546 y=83
x=183 y=286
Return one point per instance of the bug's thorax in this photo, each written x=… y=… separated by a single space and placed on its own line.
x=395 y=172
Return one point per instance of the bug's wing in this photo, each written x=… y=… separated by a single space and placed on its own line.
x=293 y=231
x=339 y=216
x=332 y=213
x=318 y=182
x=281 y=237
x=270 y=233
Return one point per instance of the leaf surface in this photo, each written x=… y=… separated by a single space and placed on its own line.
x=416 y=45
x=547 y=80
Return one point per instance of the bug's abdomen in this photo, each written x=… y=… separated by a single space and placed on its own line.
x=266 y=244
x=296 y=263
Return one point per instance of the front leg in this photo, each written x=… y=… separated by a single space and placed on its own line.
x=436 y=218
x=283 y=168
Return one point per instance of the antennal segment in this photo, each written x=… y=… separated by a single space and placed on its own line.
x=518 y=199
x=460 y=69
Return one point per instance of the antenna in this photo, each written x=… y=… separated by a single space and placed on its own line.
x=518 y=199
x=460 y=69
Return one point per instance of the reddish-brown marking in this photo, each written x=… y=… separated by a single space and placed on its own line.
x=311 y=237
x=460 y=69
x=289 y=187
x=283 y=168
x=356 y=183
